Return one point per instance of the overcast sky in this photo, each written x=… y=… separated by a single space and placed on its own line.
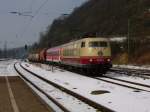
x=18 y=30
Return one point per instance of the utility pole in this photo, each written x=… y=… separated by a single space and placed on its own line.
x=128 y=36
x=5 y=49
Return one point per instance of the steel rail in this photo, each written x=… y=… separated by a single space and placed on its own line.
x=123 y=85
x=144 y=85
x=131 y=71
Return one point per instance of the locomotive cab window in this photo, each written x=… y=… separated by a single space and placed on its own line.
x=82 y=44
x=98 y=44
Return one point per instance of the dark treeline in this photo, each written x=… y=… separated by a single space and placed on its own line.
x=14 y=53
x=107 y=18
x=98 y=17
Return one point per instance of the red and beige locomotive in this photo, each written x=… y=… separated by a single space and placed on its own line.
x=89 y=54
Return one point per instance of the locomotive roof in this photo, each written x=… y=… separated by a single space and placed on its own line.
x=88 y=38
x=83 y=39
x=95 y=38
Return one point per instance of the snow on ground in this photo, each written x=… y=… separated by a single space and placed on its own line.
x=6 y=68
x=74 y=104
x=120 y=99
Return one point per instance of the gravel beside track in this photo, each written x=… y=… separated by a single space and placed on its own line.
x=25 y=99
x=5 y=104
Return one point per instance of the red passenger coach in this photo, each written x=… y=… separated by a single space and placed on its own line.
x=53 y=55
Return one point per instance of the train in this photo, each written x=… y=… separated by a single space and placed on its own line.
x=92 y=55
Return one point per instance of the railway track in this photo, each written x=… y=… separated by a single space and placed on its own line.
x=125 y=83
x=82 y=99
x=139 y=73
x=130 y=82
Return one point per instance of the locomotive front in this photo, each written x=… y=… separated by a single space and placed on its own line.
x=95 y=54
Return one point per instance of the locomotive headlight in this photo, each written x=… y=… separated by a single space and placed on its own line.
x=108 y=60
x=91 y=60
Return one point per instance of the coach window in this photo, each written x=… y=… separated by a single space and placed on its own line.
x=98 y=44
x=82 y=44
